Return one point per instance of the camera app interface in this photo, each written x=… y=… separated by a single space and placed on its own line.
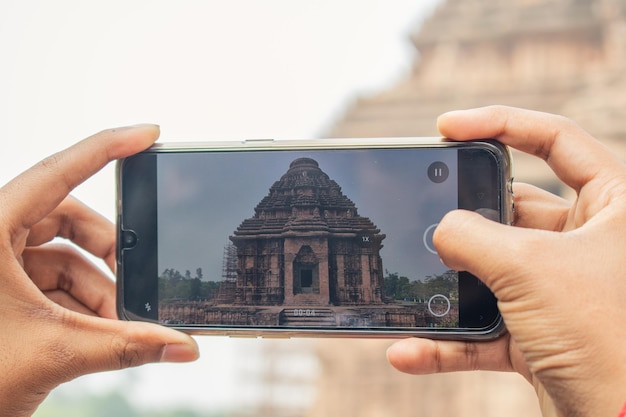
x=319 y=239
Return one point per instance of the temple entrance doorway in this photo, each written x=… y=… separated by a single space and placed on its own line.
x=306 y=277
x=306 y=281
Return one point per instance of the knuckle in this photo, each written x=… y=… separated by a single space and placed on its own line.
x=127 y=354
x=51 y=162
x=68 y=258
x=472 y=357
x=130 y=349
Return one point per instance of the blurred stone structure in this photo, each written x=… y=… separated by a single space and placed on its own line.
x=561 y=56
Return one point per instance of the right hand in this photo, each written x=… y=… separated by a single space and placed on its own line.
x=560 y=277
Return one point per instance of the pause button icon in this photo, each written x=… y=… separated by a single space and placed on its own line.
x=438 y=172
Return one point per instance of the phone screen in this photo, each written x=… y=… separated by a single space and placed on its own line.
x=320 y=239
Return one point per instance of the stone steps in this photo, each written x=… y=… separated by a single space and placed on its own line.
x=308 y=300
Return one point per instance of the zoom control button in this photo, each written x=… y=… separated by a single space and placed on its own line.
x=439 y=305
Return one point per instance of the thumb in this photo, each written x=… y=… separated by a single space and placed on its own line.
x=98 y=344
x=466 y=241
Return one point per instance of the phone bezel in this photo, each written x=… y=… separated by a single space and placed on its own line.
x=504 y=200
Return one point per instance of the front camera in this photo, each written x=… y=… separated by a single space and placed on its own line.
x=129 y=239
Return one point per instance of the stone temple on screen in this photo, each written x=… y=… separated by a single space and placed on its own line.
x=306 y=245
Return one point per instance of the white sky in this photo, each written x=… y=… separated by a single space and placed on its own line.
x=203 y=70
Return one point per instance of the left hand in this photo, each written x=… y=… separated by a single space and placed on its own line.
x=58 y=316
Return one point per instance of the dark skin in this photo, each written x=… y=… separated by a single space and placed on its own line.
x=559 y=274
x=58 y=310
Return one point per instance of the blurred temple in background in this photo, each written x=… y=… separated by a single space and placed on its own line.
x=560 y=56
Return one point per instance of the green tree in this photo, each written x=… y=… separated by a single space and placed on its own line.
x=418 y=290
x=390 y=284
x=446 y=284
x=195 y=289
x=404 y=288
x=397 y=287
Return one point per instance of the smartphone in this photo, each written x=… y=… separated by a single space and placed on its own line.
x=331 y=237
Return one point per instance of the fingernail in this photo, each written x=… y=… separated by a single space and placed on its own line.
x=137 y=126
x=179 y=353
x=140 y=125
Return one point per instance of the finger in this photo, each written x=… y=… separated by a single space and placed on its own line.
x=32 y=195
x=538 y=209
x=135 y=343
x=558 y=140
x=424 y=356
x=78 y=344
x=67 y=301
x=61 y=268
x=80 y=224
x=495 y=253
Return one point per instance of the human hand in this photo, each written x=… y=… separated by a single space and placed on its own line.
x=58 y=316
x=560 y=276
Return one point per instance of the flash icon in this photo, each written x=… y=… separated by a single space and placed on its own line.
x=148 y=307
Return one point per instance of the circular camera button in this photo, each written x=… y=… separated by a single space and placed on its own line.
x=439 y=305
x=438 y=172
x=428 y=238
